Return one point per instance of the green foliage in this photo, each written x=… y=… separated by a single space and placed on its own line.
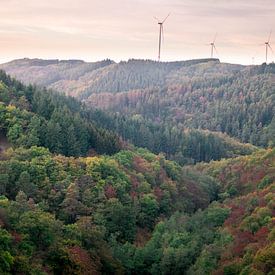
x=64 y=204
x=6 y=259
x=40 y=227
x=175 y=243
x=265 y=182
x=149 y=210
x=32 y=117
x=119 y=220
x=133 y=212
x=185 y=147
x=153 y=104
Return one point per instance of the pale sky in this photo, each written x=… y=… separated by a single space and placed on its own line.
x=121 y=29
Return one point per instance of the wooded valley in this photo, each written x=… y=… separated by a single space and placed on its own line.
x=151 y=168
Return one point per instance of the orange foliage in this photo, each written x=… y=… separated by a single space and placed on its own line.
x=141 y=165
x=82 y=258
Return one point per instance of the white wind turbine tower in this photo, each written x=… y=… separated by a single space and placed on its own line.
x=213 y=46
x=160 y=33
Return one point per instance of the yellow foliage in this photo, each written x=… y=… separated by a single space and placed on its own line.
x=92 y=160
x=11 y=108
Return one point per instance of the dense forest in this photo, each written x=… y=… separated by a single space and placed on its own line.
x=81 y=79
x=220 y=98
x=34 y=117
x=76 y=197
x=64 y=125
x=205 y=96
x=135 y=213
x=186 y=146
x=170 y=106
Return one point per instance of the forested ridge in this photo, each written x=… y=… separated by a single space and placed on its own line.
x=81 y=79
x=41 y=117
x=208 y=96
x=157 y=105
x=83 y=201
x=36 y=117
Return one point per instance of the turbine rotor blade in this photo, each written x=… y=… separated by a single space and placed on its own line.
x=156 y=18
x=215 y=49
x=270 y=48
x=214 y=40
x=269 y=37
x=166 y=18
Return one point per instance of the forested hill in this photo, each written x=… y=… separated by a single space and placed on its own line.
x=81 y=79
x=129 y=212
x=36 y=117
x=197 y=94
x=135 y=213
x=64 y=125
x=235 y=100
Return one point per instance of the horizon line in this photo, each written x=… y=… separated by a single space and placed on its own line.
x=117 y=61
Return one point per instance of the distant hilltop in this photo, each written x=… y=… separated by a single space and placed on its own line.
x=43 y=62
x=81 y=79
x=37 y=62
x=84 y=80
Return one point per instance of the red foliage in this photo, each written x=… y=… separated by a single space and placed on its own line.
x=241 y=240
x=236 y=215
x=245 y=177
x=259 y=175
x=82 y=258
x=16 y=237
x=142 y=237
x=262 y=202
x=140 y=165
x=133 y=194
x=218 y=272
x=195 y=194
x=236 y=168
x=135 y=182
x=261 y=235
x=110 y=192
x=252 y=176
x=221 y=177
x=162 y=176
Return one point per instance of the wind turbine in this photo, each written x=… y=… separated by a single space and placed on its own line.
x=213 y=46
x=267 y=46
x=160 y=33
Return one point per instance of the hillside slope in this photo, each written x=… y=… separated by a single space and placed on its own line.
x=62 y=215
x=37 y=117
x=211 y=96
x=201 y=94
x=33 y=116
x=81 y=79
x=132 y=212
x=247 y=236
x=234 y=235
